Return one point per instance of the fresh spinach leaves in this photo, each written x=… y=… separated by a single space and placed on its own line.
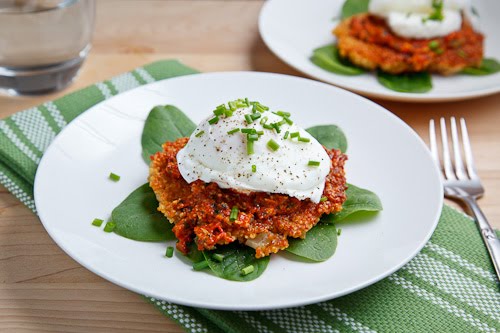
x=358 y=200
x=406 y=82
x=319 y=245
x=164 y=123
x=137 y=217
x=353 y=7
x=328 y=58
x=488 y=66
x=330 y=136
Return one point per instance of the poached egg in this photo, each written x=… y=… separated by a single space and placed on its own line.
x=218 y=151
x=410 y=18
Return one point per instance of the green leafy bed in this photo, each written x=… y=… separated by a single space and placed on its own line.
x=137 y=216
x=328 y=58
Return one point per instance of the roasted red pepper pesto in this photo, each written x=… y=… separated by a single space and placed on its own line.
x=368 y=42
x=201 y=211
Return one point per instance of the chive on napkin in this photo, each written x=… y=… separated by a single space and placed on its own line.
x=449 y=287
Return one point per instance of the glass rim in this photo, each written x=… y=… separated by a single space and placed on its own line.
x=20 y=10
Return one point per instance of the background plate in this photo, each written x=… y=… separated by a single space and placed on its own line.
x=385 y=155
x=292 y=29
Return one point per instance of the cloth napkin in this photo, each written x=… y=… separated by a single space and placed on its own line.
x=450 y=286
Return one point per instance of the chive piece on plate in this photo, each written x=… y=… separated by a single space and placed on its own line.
x=110 y=226
x=254 y=168
x=219 y=257
x=323 y=199
x=198 y=266
x=97 y=222
x=313 y=163
x=170 y=252
x=114 y=177
x=247 y=270
x=304 y=139
x=250 y=149
x=214 y=120
x=234 y=214
x=200 y=133
x=233 y=131
x=273 y=145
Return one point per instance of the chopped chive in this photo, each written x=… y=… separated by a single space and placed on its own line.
x=433 y=44
x=260 y=133
x=313 y=163
x=304 y=139
x=288 y=120
x=339 y=232
x=219 y=257
x=286 y=135
x=263 y=120
x=240 y=103
x=248 y=119
x=228 y=112
x=97 y=222
x=214 y=120
x=255 y=116
x=198 y=266
x=253 y=137
x=281 y=122
x=283 y=114
x=109 y=226
x=232 y=106
x=323 y=199
x=267 y=126
x=234 y=214
x=294 y=135
x=439 y=51
x=250 y=149
x=276 y=126
x=247 y=102
x=254 y=168
x=114 y=177
x=219 y=112
x=273 y=145
x=248 y=130
x=254 y=107
x=247 y=270
x=170 y=252
x=200 y=133
x=233 y=131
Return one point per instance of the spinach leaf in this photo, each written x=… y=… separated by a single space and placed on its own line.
x=328 y=58
x=320 y=243
x=330 y=136
x=236 y=257
x=488 y=66
x=353 y=7
x=409 y=82
x=358 y=199
x=164 y=123
x=137 y=217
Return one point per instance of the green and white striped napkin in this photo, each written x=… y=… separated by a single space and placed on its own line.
x=449 y=287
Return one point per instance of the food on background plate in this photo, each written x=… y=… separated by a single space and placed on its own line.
x=246 y=175
x=245 y=183
x=405 y=41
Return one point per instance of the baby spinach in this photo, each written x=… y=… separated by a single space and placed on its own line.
x=330 y=136
x=164 y=123
x=358 y=199
x=353 y=7
x=137 y=217
x=488 y=66
x=236 y=257
x=319 y=245
x=328 y=58
x=406 y=82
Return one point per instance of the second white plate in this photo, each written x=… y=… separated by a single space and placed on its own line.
x=292 y=29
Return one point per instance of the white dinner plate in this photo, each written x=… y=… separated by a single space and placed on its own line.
x=292 y=29
x=385 y=155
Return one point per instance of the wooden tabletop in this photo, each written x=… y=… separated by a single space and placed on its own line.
x=44 y=290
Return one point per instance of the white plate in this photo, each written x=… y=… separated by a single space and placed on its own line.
x=292 y=29
x=385 y=155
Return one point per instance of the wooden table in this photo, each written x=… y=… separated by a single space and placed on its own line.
x=44 y=290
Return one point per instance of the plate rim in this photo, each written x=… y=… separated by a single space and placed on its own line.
x=389 y=95
x=215 y=306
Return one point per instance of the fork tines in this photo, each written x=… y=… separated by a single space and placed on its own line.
x=453 y=169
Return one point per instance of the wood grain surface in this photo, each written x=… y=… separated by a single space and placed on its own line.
x=44 y=290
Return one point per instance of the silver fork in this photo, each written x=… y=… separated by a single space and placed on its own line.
x=461 y=181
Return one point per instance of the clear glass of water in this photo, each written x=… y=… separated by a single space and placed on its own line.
x=43 y=43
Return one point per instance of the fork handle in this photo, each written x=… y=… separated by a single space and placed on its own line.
x=489 y=236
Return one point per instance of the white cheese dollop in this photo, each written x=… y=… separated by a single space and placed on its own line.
x=216 y=156
x=408 y=18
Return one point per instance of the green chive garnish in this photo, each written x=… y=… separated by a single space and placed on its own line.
x=286 y=135
x=276 y=126
x=232 y=106
x=248 y=130
x=260 y=133
x=247 y=270
x=323 y=199
x=263 y=120
x=248 y=119
x=109 y=226
x=200 y=133
x=219 y=257
x=339 y=232
x=267 y=126
x=228 y=112
x=288 y=120
x=214 y=120
x=170 y=252
x=253 y=137
x=304 y=139
x=255 y=116
x=97 y=222
x=313 y=163
x=273 y=145
x=250 y=150
x=294 y=135
x=114 y=177
x=254 y=168
x=247 y=102
x=234 y=214
x=198 y=266
x=233 y=131
x=433 y=44
x=283 y=114
x=218 y=112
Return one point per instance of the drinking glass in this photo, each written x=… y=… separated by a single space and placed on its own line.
x=43 y=43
